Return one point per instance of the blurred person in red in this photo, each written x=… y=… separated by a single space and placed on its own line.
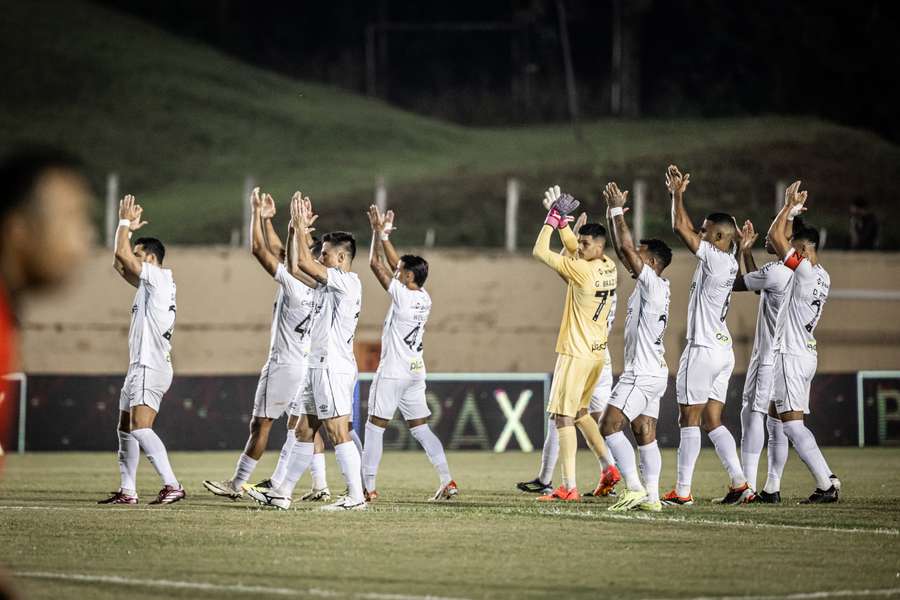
x=45 y=232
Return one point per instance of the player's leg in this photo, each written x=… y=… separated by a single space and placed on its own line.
x=777 y=455
x=144 y=408
x=414 y=408
x=383 y=400
x=691 y=390
x=612 y=426
x=319 y=491
x=609 y=474
x=791 y=398
x=644 y=429
x=726 y=448
x=543 y=483
x=587 y=425
x=281 y=495
x=284 y=455
x=129 y=450
x=753 y=431
x=334 y=396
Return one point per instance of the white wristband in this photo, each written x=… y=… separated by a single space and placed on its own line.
x=124 y=223
x=385 y=236
x=615 y=211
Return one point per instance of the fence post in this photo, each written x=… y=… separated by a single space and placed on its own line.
x=639 y=207
x=429 y=237
x=380 y=194
x=780 y=187
x=512 y=213
x=249 y=184
x=112 y=216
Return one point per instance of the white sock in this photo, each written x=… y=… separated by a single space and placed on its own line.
x=549 y=454
x=349 y=461
x=371 y=456
x=805 y=444
x=623 y=452
x=243 y=470
x=319 y=480
x=435 y=451
x=129 y=455
x=753 y=438
x=777 y=455
x=298 y=463
x=155 y=451
x=651 y=466
x=688 y=451
x=283 y=457
x=358 y=442
x=727 y=451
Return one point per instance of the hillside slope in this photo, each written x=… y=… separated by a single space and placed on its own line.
x=183 y=125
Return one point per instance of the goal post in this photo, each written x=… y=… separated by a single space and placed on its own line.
x=886 y=401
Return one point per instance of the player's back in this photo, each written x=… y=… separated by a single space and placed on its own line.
x=710 y=296
x=583 y=332
x=802 y=310
x=295 y=305
x=402 y=344
x=772 y=281
x=153 y=318
x=338 y=303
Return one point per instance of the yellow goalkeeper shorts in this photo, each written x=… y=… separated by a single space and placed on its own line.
x=573 y=383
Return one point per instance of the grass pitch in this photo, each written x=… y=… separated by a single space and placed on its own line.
x=493 y=542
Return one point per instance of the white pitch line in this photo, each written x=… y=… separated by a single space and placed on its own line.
x=545 y=511
x=799 y=596
x=215 y=587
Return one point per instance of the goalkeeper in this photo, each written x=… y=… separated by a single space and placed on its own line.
x=591 y=279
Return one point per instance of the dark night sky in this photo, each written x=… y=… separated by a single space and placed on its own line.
x=696 y=57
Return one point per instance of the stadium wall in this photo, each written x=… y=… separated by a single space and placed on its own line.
x=493 y=312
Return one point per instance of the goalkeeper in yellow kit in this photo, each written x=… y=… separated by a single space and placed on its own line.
x=591 y=278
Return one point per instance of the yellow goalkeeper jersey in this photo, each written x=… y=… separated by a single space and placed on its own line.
x=592 y=284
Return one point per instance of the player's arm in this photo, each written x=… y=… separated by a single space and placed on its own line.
x=613 y=237
x=557 y=218
x=302 y=219
x=681 y=221
x=125 y=262
x=258 y=246
x=621 y=238
x=294 y=241
x=390 y=253
x=794 y=201
x=746 y=238
x=267 y=213
x=382 y=273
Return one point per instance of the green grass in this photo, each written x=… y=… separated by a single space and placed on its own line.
x=493 y=542
x=183 y=124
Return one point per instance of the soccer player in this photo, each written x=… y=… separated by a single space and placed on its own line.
x=400 y=379
x=609 y=474
x=150 y=365
x=581 y=345
x=795 y=345
x=771 y=282
x=333 y=371
x=643 y=382
x=708 y=359
x=284 y=371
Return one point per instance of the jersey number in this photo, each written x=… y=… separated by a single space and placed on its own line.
x=410 y=339
x=302 y=327
x=604 y=296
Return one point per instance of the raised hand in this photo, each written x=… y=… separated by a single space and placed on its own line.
x=129 y=210
x=388 y=225
x=375 y=219
x=255 y=200
x=615 y=198
x=266 y=205
x=579 y=223
x=795 y=199
x=551 y=196
x=137 y=223
x=675 y=181
x=747 y=236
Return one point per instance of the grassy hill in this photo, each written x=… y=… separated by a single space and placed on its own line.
x=183 y=125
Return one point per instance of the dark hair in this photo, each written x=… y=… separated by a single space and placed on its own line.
x=316 y=247
x=152 y=246
x=805 y=233
x=860 y=202
x=721 y=219
x=418 y=266
x=660 y=250
x=21 y=170
x=593 y=230
x=342 y=237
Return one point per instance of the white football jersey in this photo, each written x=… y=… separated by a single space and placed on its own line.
x=710 y=296
x=772 y=282
x=152 y=318
x=645 y=325
x=802 y=308
x=404 y=328
x=338 y=303
x=295 y=304
x=610 y=319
